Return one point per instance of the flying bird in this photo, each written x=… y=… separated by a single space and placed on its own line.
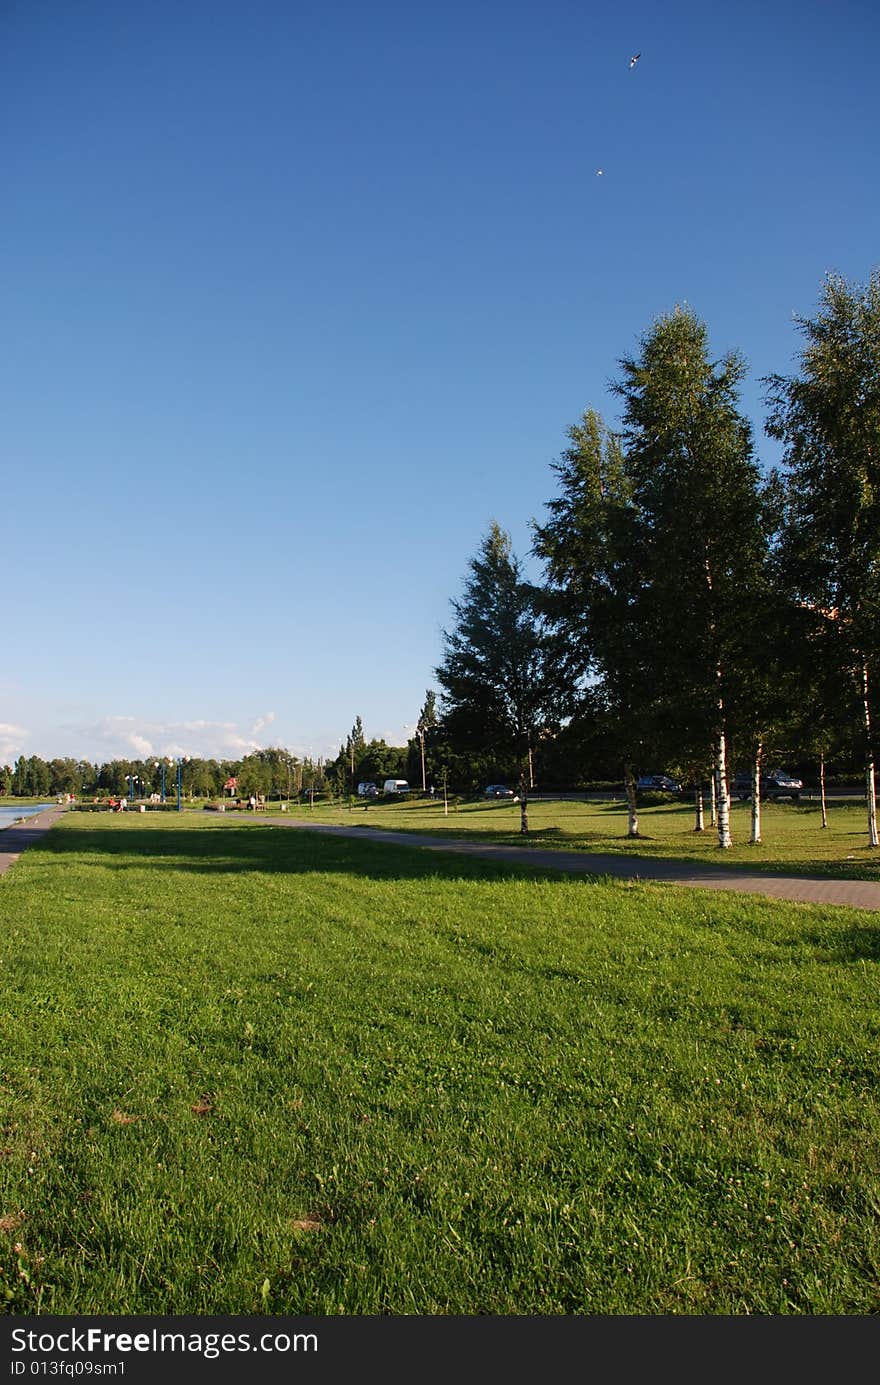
x=634 y=59
x=599 y=172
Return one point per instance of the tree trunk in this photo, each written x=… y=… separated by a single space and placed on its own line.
x=524 y=803
x=630 y=781
x=755 y=836
x=698 y=797
x=870 y=780
x=713 y=801
x=822 y=790
x=721 y=791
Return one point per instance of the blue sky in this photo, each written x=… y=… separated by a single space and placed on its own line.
x=299 y=297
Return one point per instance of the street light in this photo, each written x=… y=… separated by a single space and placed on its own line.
x=181 y=761
x=156 y=764
x=420 y=732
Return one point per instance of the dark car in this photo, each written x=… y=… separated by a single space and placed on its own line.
x=776 y=783
x=658 y=783
x=498 y=791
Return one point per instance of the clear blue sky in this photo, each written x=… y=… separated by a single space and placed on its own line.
x=299 y=297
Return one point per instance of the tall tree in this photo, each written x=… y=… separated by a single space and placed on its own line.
x=425 y=725
x=700 y=519
x=828 y=417
x=595 y=593
x=501 y=672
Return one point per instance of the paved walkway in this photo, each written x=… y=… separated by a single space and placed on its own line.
x=15 y=838
x=812 y=889
x=855 y=894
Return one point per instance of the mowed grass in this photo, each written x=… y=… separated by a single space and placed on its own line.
x=793 y=839
x=245 y=1069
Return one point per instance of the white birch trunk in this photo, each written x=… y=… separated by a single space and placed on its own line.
x=722 y=794
x=713 y=801
x=870 y=780
x=755 y=835
x=630 y=781
x=822 y=790
x=698 y=797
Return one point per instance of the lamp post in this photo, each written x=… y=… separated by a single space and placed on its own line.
x=420 y=732
x=181 y=761
x=156 y=765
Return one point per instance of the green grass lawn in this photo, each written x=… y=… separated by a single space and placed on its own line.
x=793 y=839
x=245 y=1069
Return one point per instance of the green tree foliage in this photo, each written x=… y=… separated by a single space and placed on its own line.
x=380 y=761
x=31 y=777
x=267 y=772
x=828 y=417
x=501 y=672
x=595 y=597
x=701 y=526
x=419 y=761
x=656 y=553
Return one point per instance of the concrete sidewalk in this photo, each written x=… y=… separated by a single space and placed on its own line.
x=853 y=894
x=18 y=836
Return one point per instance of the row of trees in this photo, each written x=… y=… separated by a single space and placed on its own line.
x=695 y=610
x=274 y=772
x=691 y=601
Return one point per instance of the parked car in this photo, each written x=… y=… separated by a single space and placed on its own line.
x=367 y=789
x=498 y=791
x=776 y=783
x=658 y=783
x=395 y=786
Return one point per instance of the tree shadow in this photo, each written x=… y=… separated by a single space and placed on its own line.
x=276 y=848
x=858 y=944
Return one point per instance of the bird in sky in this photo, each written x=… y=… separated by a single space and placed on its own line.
x=634 y=59
x=599 y=172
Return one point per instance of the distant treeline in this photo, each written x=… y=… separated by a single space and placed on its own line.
x=271 y=772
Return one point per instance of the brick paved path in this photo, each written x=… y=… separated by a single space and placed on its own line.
x=855 y=894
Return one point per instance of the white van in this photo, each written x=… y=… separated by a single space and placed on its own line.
x=395 y=786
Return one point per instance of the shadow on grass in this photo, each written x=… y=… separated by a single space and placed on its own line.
x=279 y=849
x=289 y=847
x=850 y=945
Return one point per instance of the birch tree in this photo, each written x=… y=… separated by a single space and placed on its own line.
x=828 y=417
x=697 y=493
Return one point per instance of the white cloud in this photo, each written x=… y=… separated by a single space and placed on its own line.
x=124 y=738
x=12 y=739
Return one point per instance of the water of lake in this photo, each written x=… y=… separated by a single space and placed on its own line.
x=28 y=810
